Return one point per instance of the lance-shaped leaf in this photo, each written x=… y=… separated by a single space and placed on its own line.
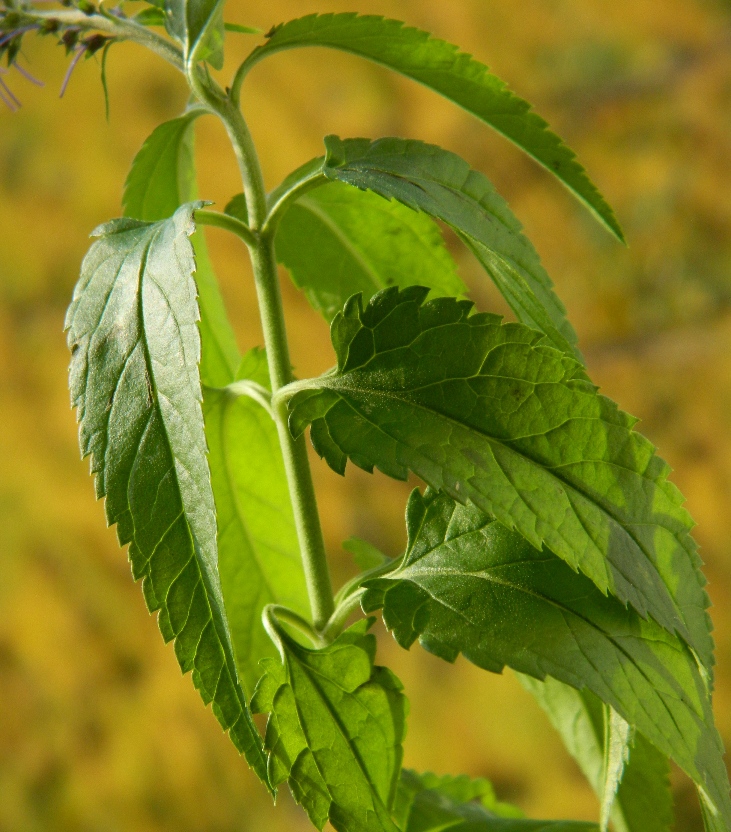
x=454 y=74
x=198 y=26
x=337 y=241
x=426 y=178
x=335 y=729
x=134 y=379
x=427 y=803
x=469 y=585
x=258 y=552
x=644 y=802
x=489 y=413
x=161 y=179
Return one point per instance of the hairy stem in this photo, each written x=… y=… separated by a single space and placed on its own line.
x=294 y=451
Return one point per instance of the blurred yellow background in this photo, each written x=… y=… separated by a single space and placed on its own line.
x=98 y=729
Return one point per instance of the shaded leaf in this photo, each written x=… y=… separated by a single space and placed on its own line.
x=336 y=241
x=199 y=28
x=426 y=178
x=162 y=178
x=335 y=729
x=644 y=801
x=134 y=379
x=455 y=75
x=258 y=552
x=469 y=585
x=427 y=803
x=489 y=413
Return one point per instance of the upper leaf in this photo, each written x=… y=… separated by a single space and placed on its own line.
x=454 y=74
x=161 y=179
x=469 y=585
x=644 y=802
x=427 y=803
x=426 y=178
x=489 y=413
x=198 y=26
x=134 y=379
x=258 y=552
x=337 y=241
x=335 y=730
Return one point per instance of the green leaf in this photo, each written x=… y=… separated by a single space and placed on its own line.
x=489 y=413
x=426 y=178
x=335 y=730
x=199 y=28
x=258 y=552
x=469 y=585
x=151 y=16
x=644 y=802
x=455 y=75
x=161 y=179
x=365 y=554
x=427 y=803
x=134 y=379
x=337 y=241
x=618 y=735
x=241 y=30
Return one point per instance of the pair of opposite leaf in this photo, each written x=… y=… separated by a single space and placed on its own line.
x=551 y=458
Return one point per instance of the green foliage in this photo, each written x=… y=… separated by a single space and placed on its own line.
x=455 y=75
x=549 y=540
x=489 y=413
x=469 y=585
x=335 y=730
x=258 y=555
x=427 y=803
x=132 y=332
x=644 y=802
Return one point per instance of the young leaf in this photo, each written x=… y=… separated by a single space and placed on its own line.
x=199 y=28
x=454 y=74
x=161 y=179
x=335 y=730
x=644 y=802
x=618 y=735
x=337 y=241
x=489 y=413
x=258 y=552
x=134 y=379
x=426 y=178
x=427 y=803
x=469 y=585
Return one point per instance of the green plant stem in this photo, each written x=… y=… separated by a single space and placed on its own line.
x=214 y=219
x=294 y=451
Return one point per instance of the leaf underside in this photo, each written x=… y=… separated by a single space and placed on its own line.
x=441 y=184
x=335 y=730
x=455 y=75
x=134 y=379
x=258 y=552
x=427 y=803
x=198 y=26
x=644 y=801
x=469 y=585
x=489 y=413
x=337 y=241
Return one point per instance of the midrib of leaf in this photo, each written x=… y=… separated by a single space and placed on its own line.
x=333 y=383
x=337 y=232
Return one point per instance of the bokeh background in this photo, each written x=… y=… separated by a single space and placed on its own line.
x=98 y=729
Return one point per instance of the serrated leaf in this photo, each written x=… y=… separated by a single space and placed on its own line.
x=455 y=75
x=618 y=736
x=198 y=26
x=469 y=585
x=134 y=379
x=162 y=178
x=488 y=412
x=337 y=241
x=258 y=552
x=644 y=801
x=426 y=178
x=427 y=803
x=335 y=729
